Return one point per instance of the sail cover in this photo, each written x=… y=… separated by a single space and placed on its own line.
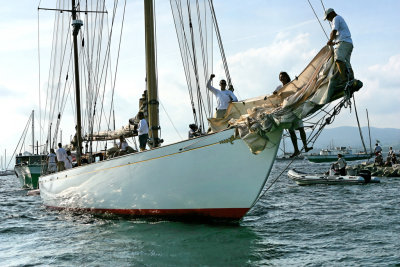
x=126 y=131
x=297 y=100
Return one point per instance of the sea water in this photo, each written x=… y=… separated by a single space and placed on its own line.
x=291 y=225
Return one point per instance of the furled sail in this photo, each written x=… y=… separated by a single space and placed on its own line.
x=126 y=131
x=297 y=100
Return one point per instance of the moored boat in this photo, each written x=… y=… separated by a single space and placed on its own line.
x=302 y=178
x=330 y=155
x=28 y=168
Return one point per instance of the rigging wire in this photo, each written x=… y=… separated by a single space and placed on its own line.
x=169 y=118
x=40 y=103
x=116 y=66
x=322 y=3
x=221 y=47
x=184 y=56
x=318 y=19
x=23 y=136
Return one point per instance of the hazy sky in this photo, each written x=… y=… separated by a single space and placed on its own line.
x=261 y=38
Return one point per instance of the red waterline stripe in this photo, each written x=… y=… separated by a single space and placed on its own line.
x=223 y=213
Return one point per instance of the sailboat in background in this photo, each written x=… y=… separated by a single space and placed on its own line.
x=219 y=175
x=29 y=166
x=330 y=155
x=4 y=171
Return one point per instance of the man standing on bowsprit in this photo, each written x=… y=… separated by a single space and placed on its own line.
x=341 y=37
x=224 y=97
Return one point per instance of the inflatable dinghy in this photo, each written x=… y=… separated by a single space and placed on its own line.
x=309 y=179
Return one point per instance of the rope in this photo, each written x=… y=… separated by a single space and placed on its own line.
x=221 y=48
x=318 y=19
x=169 y=118
x=323 y=5
x=23 y=136
x=40 y=103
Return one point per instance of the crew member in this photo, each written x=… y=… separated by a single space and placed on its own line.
x=61 y=157
x=285 y=79
x=377 y=149
x=224 y=97
x=341 y=37
x=51 y=161
x=143 y=131
x=341 y=163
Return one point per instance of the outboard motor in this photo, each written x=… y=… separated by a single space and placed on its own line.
x=366 y=174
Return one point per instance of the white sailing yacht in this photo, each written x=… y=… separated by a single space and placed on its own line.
x=219 y=175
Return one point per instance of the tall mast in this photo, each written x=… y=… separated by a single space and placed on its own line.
x=77 y=25
x=151 y=73
x=33 y=132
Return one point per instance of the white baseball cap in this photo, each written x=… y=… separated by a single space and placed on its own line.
x=327 y=12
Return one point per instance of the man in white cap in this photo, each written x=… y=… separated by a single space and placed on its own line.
x=344 y=44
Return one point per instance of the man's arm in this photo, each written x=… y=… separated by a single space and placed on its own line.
x=234 y=98
x=210 y=87
x=332 y=37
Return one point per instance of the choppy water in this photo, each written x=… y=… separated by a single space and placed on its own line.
x=319 y=225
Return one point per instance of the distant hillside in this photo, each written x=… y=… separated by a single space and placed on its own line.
x=350 y=136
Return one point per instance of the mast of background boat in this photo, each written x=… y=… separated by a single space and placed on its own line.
x=115 y=142
x=151 y=75
x=369 y=133
x=33 y=132
x=77 y=25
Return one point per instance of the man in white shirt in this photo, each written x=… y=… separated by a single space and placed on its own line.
x=377 y=149
x=224 y=97
x=61 y=157
x=51 y=161
x=341 y=37
x=143 y=131
x=68 y=160
x=341 y=163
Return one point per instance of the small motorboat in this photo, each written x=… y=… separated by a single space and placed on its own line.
x=301 y=178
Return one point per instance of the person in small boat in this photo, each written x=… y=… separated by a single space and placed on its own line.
x=61 y=157
x=68 y=161
x=51 y=161
x=224 y=97
x=388 y=162
x=285 y=79
x=143 y=131
x=377 y=149
x=379 y=159
x=391 y=152
x=341 y=164
x=194 y=131
x=341 y=37
x=394 y=158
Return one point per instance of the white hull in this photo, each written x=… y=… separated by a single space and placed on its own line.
x=197 y=177
x=310 y=179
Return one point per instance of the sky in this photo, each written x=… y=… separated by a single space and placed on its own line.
x=260 y=37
